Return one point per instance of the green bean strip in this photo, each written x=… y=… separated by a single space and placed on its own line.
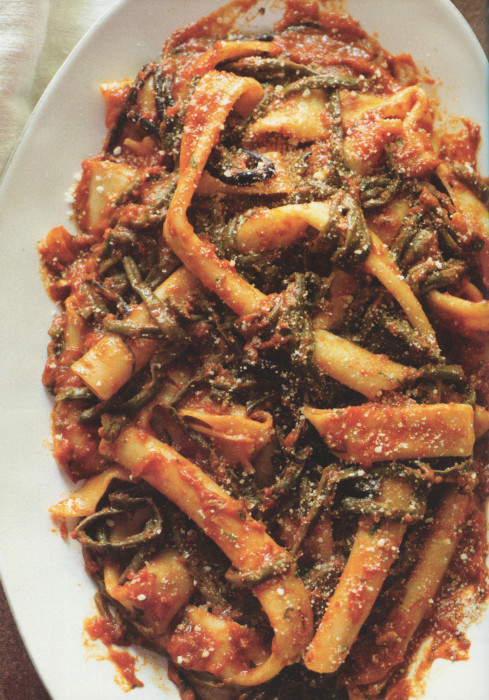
x=75 y=393
x=473 y=180
x=322 y=496
x=249 y=579
x=128 y=329
x=323 y=81
x=152 y=528
x=159 y=311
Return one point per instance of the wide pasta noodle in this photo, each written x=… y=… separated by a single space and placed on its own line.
x=270 y=364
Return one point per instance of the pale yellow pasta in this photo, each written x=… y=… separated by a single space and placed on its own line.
x=242 y=539
x=107 y=366
x=84 y=501
x=75 y=329
x=376 y=432
x=106 y=181
x=231 y=50
x=238 y=437
x=221 y=92
x=467 y=317
x=226 y=645
x=267 y=229
x=360 y=369
x=111 y=362
x=380 y=120
x=396 y=632
x=381 y=264
x=155 y=594
x=373 y=553
x=301 y=116
x=341 y=292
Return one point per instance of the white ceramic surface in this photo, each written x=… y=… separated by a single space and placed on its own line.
x=44 y=578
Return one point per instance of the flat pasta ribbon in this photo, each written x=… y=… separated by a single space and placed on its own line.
x=242 y=539
x=215 y=96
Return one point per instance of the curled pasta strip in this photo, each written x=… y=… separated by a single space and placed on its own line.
x=372 y=122
x=242 y=539
x=215 y=96
x=267 y=229
x=228 y=645
x=409 y=104
x=84 y=501
x=467 y=316
x=364 y=371
x=155 y=594
x=301 y=117
x=238 y=437
x=223 y=51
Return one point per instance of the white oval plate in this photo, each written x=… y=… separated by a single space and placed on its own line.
x=44 y=577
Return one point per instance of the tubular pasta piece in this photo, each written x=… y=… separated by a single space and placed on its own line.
x=376 y=432
x=361 y=370
x=155 y=593
x=238 y=436
x=468 y=317
x=111 y=362
x=207 y=643
x=374 y=551
x=303 y=117
x=102 y=181
x=396 y=632
x=84 y=501
x=243 y=540
x=107 y=366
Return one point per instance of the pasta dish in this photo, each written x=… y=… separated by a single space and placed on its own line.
x=270 y=365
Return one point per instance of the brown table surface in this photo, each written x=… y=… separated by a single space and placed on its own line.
x=18 y=677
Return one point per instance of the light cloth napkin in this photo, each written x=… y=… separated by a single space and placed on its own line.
x=35 y=38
